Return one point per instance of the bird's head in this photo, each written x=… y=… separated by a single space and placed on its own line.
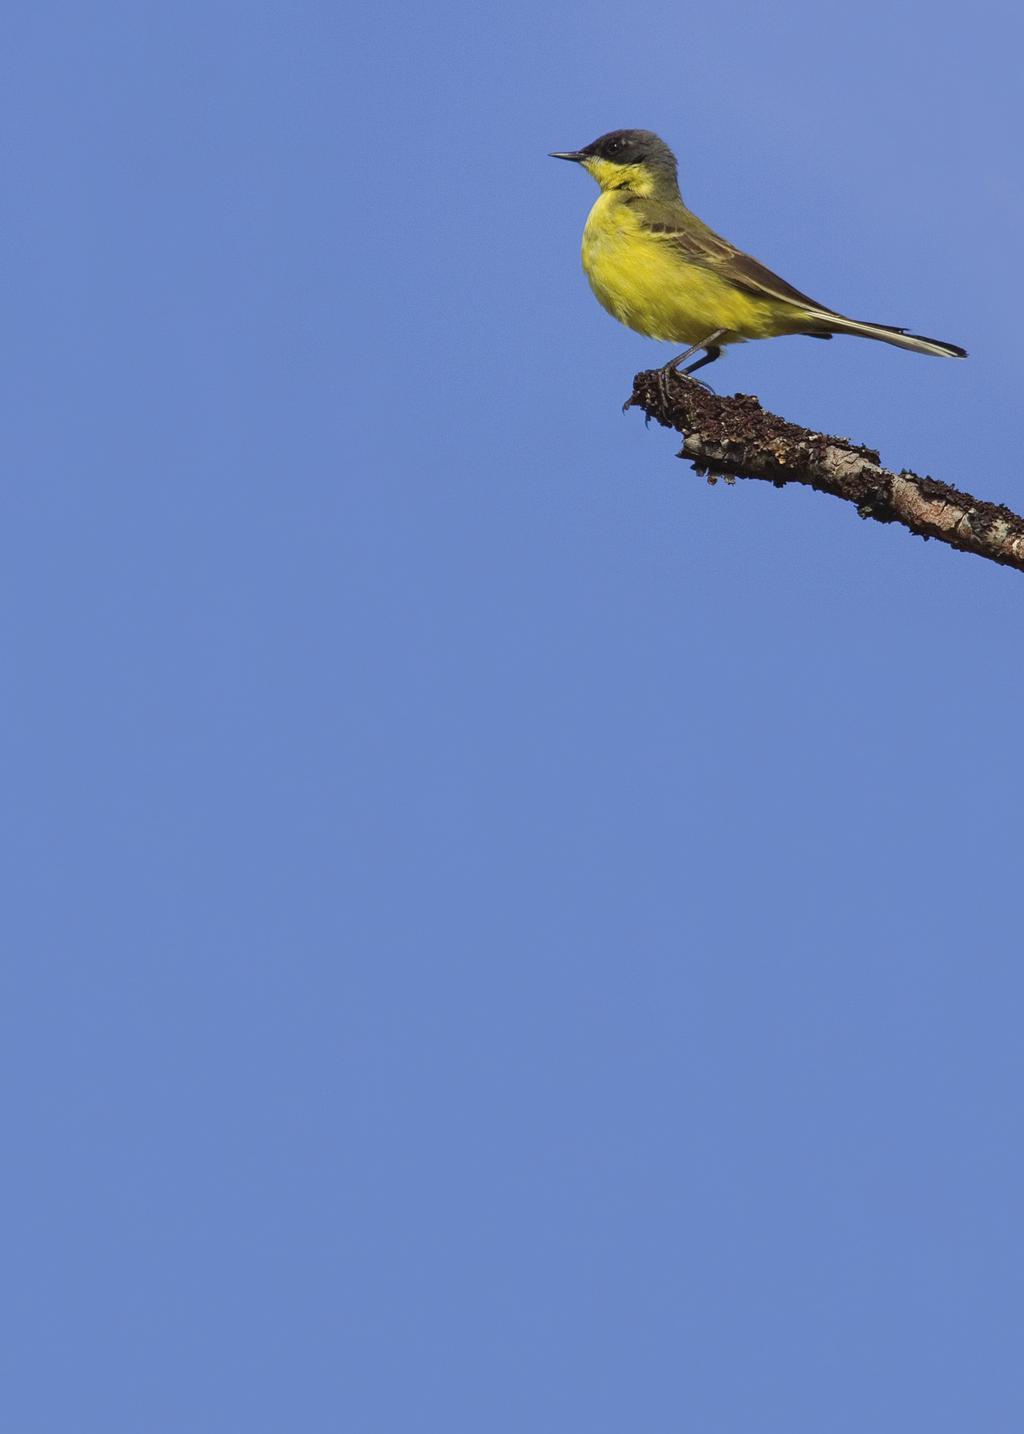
x=632 y=159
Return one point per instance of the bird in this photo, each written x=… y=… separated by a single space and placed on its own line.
x=660 y=270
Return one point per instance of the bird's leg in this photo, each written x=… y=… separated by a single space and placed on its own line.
x=713 y=352
x=712 y=349
x=707 y=343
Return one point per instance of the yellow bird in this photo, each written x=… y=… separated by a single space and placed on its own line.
x=660 y=270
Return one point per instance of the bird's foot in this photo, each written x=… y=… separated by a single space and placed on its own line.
x=663 y=382
x=662 y=375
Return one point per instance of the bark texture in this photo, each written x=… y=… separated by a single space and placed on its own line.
x=736 y=438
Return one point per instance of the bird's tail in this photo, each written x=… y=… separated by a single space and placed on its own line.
x=837 y=324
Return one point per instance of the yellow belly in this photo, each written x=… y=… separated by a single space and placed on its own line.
x=646 y=284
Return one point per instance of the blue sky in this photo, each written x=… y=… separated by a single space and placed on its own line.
x=500 y=934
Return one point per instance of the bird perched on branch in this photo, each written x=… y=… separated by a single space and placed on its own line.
x=660 y=270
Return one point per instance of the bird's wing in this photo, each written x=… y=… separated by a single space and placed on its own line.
x=698 y=244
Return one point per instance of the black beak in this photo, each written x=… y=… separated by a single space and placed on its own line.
x=577 y=155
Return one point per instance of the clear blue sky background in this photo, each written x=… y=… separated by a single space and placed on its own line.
x=500 y=936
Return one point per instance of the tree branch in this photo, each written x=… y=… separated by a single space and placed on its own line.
x=736 y=438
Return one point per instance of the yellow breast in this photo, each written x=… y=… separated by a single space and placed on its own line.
x=647 y=284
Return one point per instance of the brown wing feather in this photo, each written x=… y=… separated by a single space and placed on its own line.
x=701 y=245
x=751 y=274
